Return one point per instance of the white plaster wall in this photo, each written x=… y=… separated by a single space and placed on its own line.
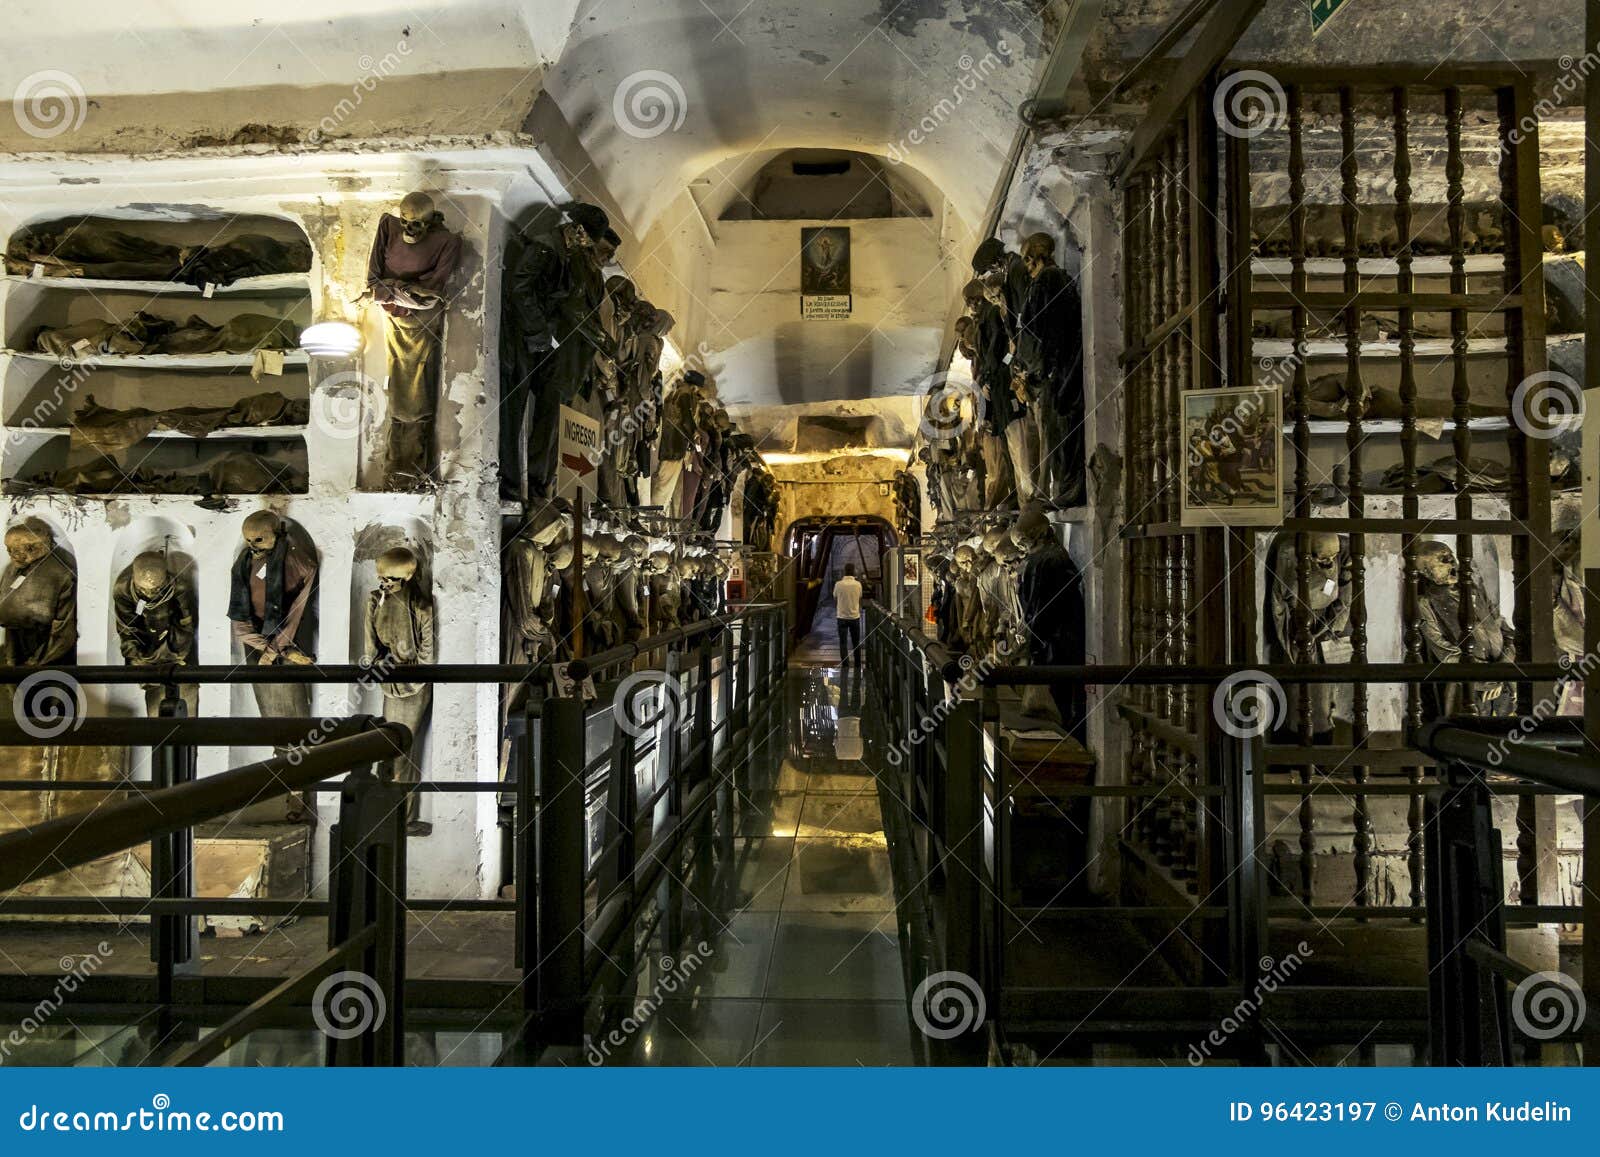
x=337 y=200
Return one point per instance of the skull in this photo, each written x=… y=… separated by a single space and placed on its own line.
x=659 y=562
x=261 y=530
x=1438 y=564
x=1323 y=550
x=395 y=568
x=561 y=555
x=637 y=547
x=416 y=216
x=688 y=568
x=150 y=574
x=966 y=557
x=1032 y=528
x=28 y=541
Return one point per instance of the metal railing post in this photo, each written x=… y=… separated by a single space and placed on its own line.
x=174 y=939
x=368 y=851
x=963 y=838
x=562 y=860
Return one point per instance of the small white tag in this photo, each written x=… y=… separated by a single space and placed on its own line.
x=262 y=573
x=1337 y=650
x=1006 y=361
x=208 y=290
x=271 y=361
x=38 y=271
x=18 y=581
x=1329 y=587
x=81 y=344
x=1432 y=427
x=138 y=607
x=554 y=344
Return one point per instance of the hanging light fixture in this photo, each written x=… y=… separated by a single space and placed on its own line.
x=330 y=339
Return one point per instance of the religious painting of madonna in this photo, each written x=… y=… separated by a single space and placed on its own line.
x=1232 y=473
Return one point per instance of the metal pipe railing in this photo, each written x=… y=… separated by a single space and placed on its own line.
x=67 y=842
x=1577 y=772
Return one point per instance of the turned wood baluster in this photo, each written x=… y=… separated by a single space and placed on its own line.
x=1300 y=615
x=1460 y=390
x=1405 y=285
x=1354 y=434
x=1527 y=461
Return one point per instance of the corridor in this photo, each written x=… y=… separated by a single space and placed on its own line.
x=796 y=956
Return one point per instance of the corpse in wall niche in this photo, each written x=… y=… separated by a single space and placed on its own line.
x=824 y=272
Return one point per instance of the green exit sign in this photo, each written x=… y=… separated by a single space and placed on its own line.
x=1322 y=11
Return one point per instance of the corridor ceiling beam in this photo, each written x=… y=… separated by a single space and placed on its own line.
x=1211 y=46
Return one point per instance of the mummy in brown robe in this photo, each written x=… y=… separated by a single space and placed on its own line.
x=399 y=631
x=413 y=256
x=38 y=599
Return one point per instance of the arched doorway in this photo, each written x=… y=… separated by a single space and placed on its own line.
x=818 y=548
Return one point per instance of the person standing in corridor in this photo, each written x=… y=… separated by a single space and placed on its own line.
x=847 y=604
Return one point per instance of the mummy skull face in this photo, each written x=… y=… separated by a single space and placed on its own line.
x=1438 y=565
x=27 y=543
x=416 y=217
x=659 y=562
x=688 y=568
x=637 y=547
x=261 y=531
x=395 y=568
x=966 y=557
x=150 y=576
x=1323 y=550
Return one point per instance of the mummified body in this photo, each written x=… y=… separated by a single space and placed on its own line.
x=38 y=599
x=399 y=631
x=270 y=597
x=1439 y=616
x=1325 y=613
x=155 y=610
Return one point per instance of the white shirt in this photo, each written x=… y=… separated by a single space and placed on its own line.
x=847 y=597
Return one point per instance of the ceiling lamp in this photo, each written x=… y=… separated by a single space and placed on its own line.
x=330 y=339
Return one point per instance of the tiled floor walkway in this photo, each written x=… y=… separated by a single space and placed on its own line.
x=804 y=964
